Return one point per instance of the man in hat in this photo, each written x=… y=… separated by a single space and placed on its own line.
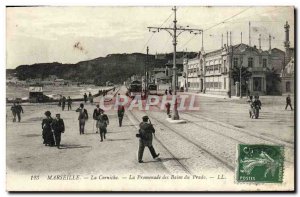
x=121 y=111
x=145 y=134
x=69 y=101
x=14 y=111
x=19 y=109
x=83 y=116
x=85 y=97
x=63 y=103
x=288 y=102
x=102 y=122
x=58 y=127
x=97 y=113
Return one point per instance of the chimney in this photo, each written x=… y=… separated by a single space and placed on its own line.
x=270 y=47
x=249 y=33
x=241 y=37
x=222 y=42
x=227 y=38
x=259 y=42
x=230 y=38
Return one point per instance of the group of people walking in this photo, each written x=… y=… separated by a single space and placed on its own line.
x=52 y=129
x=62 y=103
x=16 y=110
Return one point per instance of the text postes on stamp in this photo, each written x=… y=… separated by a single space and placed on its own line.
x=260 y=163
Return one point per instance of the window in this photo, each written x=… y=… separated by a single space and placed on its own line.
x=235 y=61
x=264 y=63
x=250 y=62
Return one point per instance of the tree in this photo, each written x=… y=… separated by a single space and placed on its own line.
x=273 y=81
x=246 y=74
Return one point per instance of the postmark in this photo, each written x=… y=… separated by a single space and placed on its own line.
x=260 y=163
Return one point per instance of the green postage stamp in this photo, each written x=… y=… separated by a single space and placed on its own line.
x=260 y=163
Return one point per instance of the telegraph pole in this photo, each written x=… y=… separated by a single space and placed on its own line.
x=146 y=77
x=175 y=32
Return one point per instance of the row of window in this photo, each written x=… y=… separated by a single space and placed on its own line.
x=250 y=62
x=192 y=70
x=193 y=85
x=214 y=85
x=213 y=68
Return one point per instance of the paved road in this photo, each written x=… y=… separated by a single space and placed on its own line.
x=205 y=145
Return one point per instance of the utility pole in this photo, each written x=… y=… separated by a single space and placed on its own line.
x=175 y=32
x=241 y=77
x=146 y=76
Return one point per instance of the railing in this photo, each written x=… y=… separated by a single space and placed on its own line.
x=257 y=69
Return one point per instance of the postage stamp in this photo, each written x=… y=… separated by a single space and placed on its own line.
x=260 y=163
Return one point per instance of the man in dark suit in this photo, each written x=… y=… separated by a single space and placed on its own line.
x=146 y=132
x=58 y=127
x=121 y=111
x=83 y=116
x=19 y=109
x=97 y=113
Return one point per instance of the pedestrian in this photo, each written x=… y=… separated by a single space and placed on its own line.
x=63 y=103
x=251 y=110
x=91 y=97
x=59 y=101
x=121 y=111
x=58 y=127
x=288 y=102
x=145 y=134
x=47 y=131
x=170 y=91
x=97 y=112
x=166 y=92
x=168 y=106
x=19 y=109
x=85 y=97
x=102 y=122
x=69 y=101
x=83 y=116
x=14 y=111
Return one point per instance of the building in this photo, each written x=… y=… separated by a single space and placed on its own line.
x=218 y=71
x=209 y=72
x=287 y=78
x=288 y=73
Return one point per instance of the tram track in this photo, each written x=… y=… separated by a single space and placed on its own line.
x=210 y=153
x=183 y=166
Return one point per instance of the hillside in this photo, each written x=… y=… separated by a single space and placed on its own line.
x=114 y=67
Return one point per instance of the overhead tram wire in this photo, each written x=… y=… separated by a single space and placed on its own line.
x=153 y=34
x=227 y=19
x=217 y=24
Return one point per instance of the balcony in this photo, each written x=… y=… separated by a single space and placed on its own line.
x=257 y=69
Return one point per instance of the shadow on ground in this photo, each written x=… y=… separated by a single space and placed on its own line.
x=71 y=146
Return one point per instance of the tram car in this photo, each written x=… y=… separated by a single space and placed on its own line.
x=135 y=89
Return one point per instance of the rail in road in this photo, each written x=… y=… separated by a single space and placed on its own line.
x=215 y=156
x=272 y=139
x=184 y=167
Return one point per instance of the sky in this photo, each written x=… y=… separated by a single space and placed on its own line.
x=73 y=34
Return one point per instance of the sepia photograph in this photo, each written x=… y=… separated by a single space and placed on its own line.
x=150 y=98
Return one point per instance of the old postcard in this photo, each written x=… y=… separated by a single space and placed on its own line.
x=178 y=98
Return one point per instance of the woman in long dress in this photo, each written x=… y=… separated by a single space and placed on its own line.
x=47 y=131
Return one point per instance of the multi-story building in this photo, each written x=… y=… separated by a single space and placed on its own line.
x=216 y=72
x=210 y=73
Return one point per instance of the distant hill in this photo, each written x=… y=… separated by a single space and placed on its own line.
x=114 y=67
